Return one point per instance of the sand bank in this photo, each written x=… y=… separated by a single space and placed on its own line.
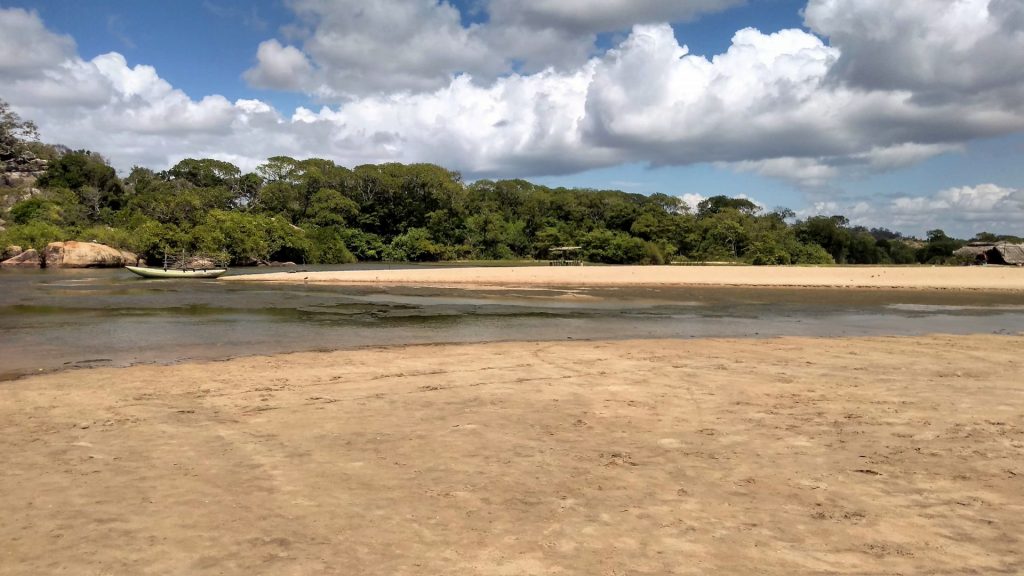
x=956 y=277
x=782 y=456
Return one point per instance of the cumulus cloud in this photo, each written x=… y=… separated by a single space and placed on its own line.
x=593 y=16
x=547 y=33
x=938 y=50
x=280 y=67
x=361 y=48
x=758 y=99
x=782 y=104
x=692 y=200
x=808 y=172
x=352 y=43
x=768 y=105
x=26 y=45
x=884 y=158
x=960 y=211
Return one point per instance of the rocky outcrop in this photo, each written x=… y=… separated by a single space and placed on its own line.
x=85 y=255
x=21 y=170
x=27 y=259
x=10 y=252
x=18 y=179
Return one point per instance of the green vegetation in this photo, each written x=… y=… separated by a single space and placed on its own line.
x=317 y=212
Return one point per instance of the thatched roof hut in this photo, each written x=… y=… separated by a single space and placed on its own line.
x=995 y=252
x=1012 y=253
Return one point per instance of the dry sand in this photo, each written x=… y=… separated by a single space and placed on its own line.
x=946 y=277
x=782 y=456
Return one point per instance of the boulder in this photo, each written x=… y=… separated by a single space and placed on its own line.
x=84 y=255
x=10 y=252
x=27 y=259
x=130 y=258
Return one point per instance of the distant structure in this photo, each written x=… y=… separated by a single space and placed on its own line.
x=1002 y=253
x=565 y=256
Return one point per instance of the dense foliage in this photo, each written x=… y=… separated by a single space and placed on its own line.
x=318 y=212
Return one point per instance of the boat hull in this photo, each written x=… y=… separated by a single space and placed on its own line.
x=175 y=273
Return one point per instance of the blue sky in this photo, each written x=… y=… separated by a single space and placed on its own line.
x=807 y=104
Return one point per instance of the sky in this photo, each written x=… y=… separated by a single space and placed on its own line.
x=896 y=114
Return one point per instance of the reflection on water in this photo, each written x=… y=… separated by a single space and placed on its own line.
x=57 y=319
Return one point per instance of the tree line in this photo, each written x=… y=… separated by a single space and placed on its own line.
x=315 y=211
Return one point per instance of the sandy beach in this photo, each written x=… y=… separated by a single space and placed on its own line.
x=777 y=456
x=947 y=277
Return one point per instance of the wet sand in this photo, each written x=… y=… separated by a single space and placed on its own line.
x=907 y=277
x=898 y=455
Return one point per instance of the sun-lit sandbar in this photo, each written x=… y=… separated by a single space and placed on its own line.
x=777 y=456
x=946 y=278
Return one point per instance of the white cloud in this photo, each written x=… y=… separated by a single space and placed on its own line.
x=650 y=94
x=593 y=16
x=960 y=211
x=26 y=45
x=280 y=67
x=692 y=200
x=817 y=173
x=779 y=104
x=358 y=48
x=562 y=33
x=882 y=158
x=351 y=44
x=807 y=172
x=767 y=105
x=940 y=50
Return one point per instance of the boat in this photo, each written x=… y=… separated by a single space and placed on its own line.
x=176 y=272
x=184 y=266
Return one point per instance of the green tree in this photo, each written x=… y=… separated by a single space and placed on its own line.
x=36 y=209
x=205 y=172
x=331 y=208
x=612 y=247
x=723 y=235
x=829 y=232
x=88 y=175
x=36 y=234
x=416 y=245
x=15 y=133
x=715 y=204
x=939 y=248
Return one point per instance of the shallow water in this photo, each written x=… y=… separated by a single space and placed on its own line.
x=52 y=320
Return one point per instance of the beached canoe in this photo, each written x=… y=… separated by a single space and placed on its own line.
x=176 y=272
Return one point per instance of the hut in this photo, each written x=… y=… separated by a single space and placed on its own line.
x=1003 y=253
x=1011 y=254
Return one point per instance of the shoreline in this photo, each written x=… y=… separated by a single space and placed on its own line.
x=786 y=455
x=967 y=278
